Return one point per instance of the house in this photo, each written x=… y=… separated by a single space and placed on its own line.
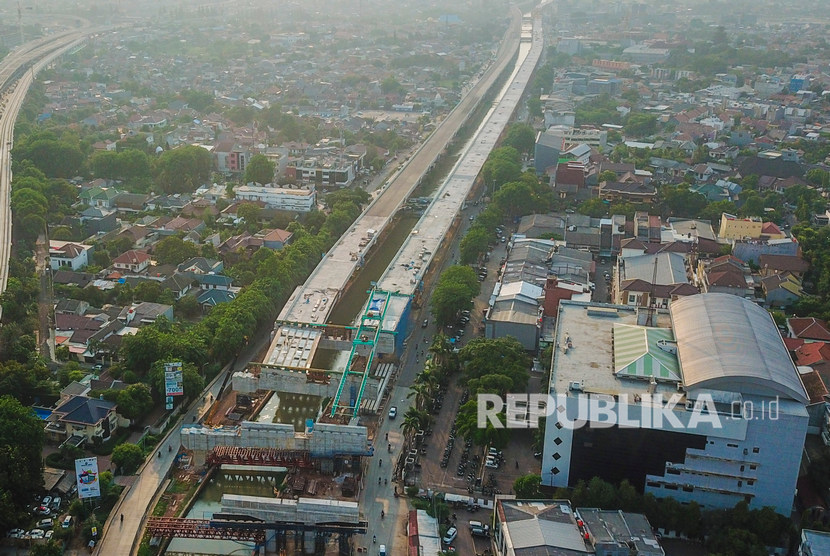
x=732 y=227
x=632 y=192
x=179 y=284
x=569 y=179
x=808 y=328
x=140 y=236
x=275 y=238
x=100 y=197
x=554 y=527
x=213 y=281
x=69 y=278
x=71 y=307
x=95 y=220
x=68 y=255
x=776 y=264
x=82 y=417
x=212 y=298
x=654 y=279
x=130 y=202
x=201 y=265
x=725 y=274
x=145 y=313
x=132 y=261
x=781 y=290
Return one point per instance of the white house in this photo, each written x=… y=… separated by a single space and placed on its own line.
x=68 y=255
x=297 y=198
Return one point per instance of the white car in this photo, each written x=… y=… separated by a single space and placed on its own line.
x=49 y=534
x=15 y=533
x=393 y=412
x=37 y=534
x=45 y=523
x=46 y=501
x=452 y=532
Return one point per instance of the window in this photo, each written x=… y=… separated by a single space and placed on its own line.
x=672 y=471
x=753 y=467
x=558 y=425
x=670 y=487
x=750 y=482
x=688 y=488
x=756 y=449
x=632 y=299
x=557 y=441
x=556 y=456
x=740 y=484
x=555 y=471
x=742 y=467
x=732 y=445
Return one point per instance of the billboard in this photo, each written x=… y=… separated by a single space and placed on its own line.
x=86 y=474
x=173 y=385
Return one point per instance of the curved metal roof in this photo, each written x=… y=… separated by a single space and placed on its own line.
x=728 y=343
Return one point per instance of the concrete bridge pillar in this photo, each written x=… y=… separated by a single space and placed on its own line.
x=309 y=542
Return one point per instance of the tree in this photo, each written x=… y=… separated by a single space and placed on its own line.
x=521 y=137
x=527 y=486
x=188 y=306
x=259 y=170
x=50 y=548
x=474 y=244
x=21 y=464
x=454 y=292
x=639 y=124
x=515 y=199
x=174 y=250
x=607 y=175
x=184 y=169
x=249 y=212
x=134 y=401
x=469 y=428
x=504 y=357
x=128 y=457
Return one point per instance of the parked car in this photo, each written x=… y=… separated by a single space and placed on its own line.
x=49 y=534
x=46 y=501
x=67 y=522
x=15 y=533
x=37 y=534
x=45 y=523
x=56 y=502
x=452 y=532
x=425 y=323
x=42 y=510
x=393 y=412
x=480 y=531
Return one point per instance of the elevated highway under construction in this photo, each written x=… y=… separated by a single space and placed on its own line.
x=336 y=440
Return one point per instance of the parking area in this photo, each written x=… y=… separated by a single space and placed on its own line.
x=604 y=272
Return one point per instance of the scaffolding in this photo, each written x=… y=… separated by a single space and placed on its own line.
x=365 y=340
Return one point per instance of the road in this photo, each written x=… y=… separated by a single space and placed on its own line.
x=123 y=537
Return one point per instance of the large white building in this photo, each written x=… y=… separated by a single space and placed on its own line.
x=737 y=430
x=297 y=198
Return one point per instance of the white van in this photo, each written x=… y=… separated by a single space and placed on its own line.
x=382 y=550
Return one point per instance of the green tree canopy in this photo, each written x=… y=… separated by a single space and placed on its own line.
x=183 y=170
x=521 y=137
x=174 y=250
x=134 y=401
x=259 y=170
x=475 y=243
x=527 y=486
x=21 y=464
x=128 y=457
x=454 y=292
x=485 y=360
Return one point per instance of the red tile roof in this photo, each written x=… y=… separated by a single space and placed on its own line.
x=812 y=352
x=809 y=328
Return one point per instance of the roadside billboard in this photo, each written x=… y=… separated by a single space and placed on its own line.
x=86 y=474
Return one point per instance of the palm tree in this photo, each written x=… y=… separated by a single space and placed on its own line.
x=415 y=420
x=422 y=393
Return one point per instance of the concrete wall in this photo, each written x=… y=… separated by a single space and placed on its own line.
x=325 y=440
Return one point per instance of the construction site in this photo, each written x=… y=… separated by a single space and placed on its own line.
x=282 y=456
